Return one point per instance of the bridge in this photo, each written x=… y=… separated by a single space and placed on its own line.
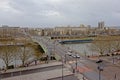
x=40 y=41
x=45 y=44
x=52 y=47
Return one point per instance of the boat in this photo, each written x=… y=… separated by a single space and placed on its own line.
x=76 y=41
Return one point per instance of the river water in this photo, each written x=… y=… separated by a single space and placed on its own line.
x=82 y=48
x=15 y=63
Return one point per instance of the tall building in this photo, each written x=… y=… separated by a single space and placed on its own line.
x=101 y=25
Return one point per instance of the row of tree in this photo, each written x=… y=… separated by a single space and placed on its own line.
x=10 y=53
x=106 y=44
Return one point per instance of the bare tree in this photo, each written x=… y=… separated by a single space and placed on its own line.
x=7 y=54
x=113 y=43
x=116 y=45
x=109 y=44
x=25 y=53
x=99 y=45
x=106 y=44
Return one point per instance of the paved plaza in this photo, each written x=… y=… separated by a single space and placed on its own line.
x=48 y=74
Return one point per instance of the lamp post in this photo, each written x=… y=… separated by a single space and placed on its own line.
x=115 y=77
x=65 y=58
x=113 y=58
x=20 y=74
x=76 y=63
x=0 y=75
x=62 y=66
x=76 y=56
x=100 y=68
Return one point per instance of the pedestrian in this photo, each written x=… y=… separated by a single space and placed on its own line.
x=84 y=78
x=4 y=68
x=115 y=77
x=73 y=70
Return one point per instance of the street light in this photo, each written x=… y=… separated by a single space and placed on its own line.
x=115 y=77
x=62 y=66
x=0 y=75
x=100 y=68
x=65 y=58
x=76 y=56
x=76 y=63
x=113 y=57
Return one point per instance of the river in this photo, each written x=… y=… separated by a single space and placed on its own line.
x=82 y=48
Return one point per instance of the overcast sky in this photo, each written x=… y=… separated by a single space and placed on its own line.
x=50 y=13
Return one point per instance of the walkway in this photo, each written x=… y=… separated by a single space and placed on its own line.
x=41 y=75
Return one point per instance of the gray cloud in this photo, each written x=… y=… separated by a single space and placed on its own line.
x=50 y=13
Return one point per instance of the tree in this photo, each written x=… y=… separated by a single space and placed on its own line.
x=7 y=54
x=99 y=45
x=28 y=51
x=106 y=44
x=116 y=44
x=109 y=44
x=25 y=53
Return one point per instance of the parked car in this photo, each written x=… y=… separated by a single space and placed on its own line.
x=70 y=50
x=68 y=53
x=73 y=56
x=76 y=56
x=99 y=61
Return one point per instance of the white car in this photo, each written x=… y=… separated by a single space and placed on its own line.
x=76 y=56
x=68 y=53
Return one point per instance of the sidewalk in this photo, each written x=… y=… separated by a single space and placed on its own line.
x=78 y=74
x=42 y=75
x=33 y=67
x=81 y=77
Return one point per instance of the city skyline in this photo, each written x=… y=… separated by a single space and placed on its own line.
x=51 y=13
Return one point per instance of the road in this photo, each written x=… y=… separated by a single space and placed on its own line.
x=90 y=73
x=69 y=77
